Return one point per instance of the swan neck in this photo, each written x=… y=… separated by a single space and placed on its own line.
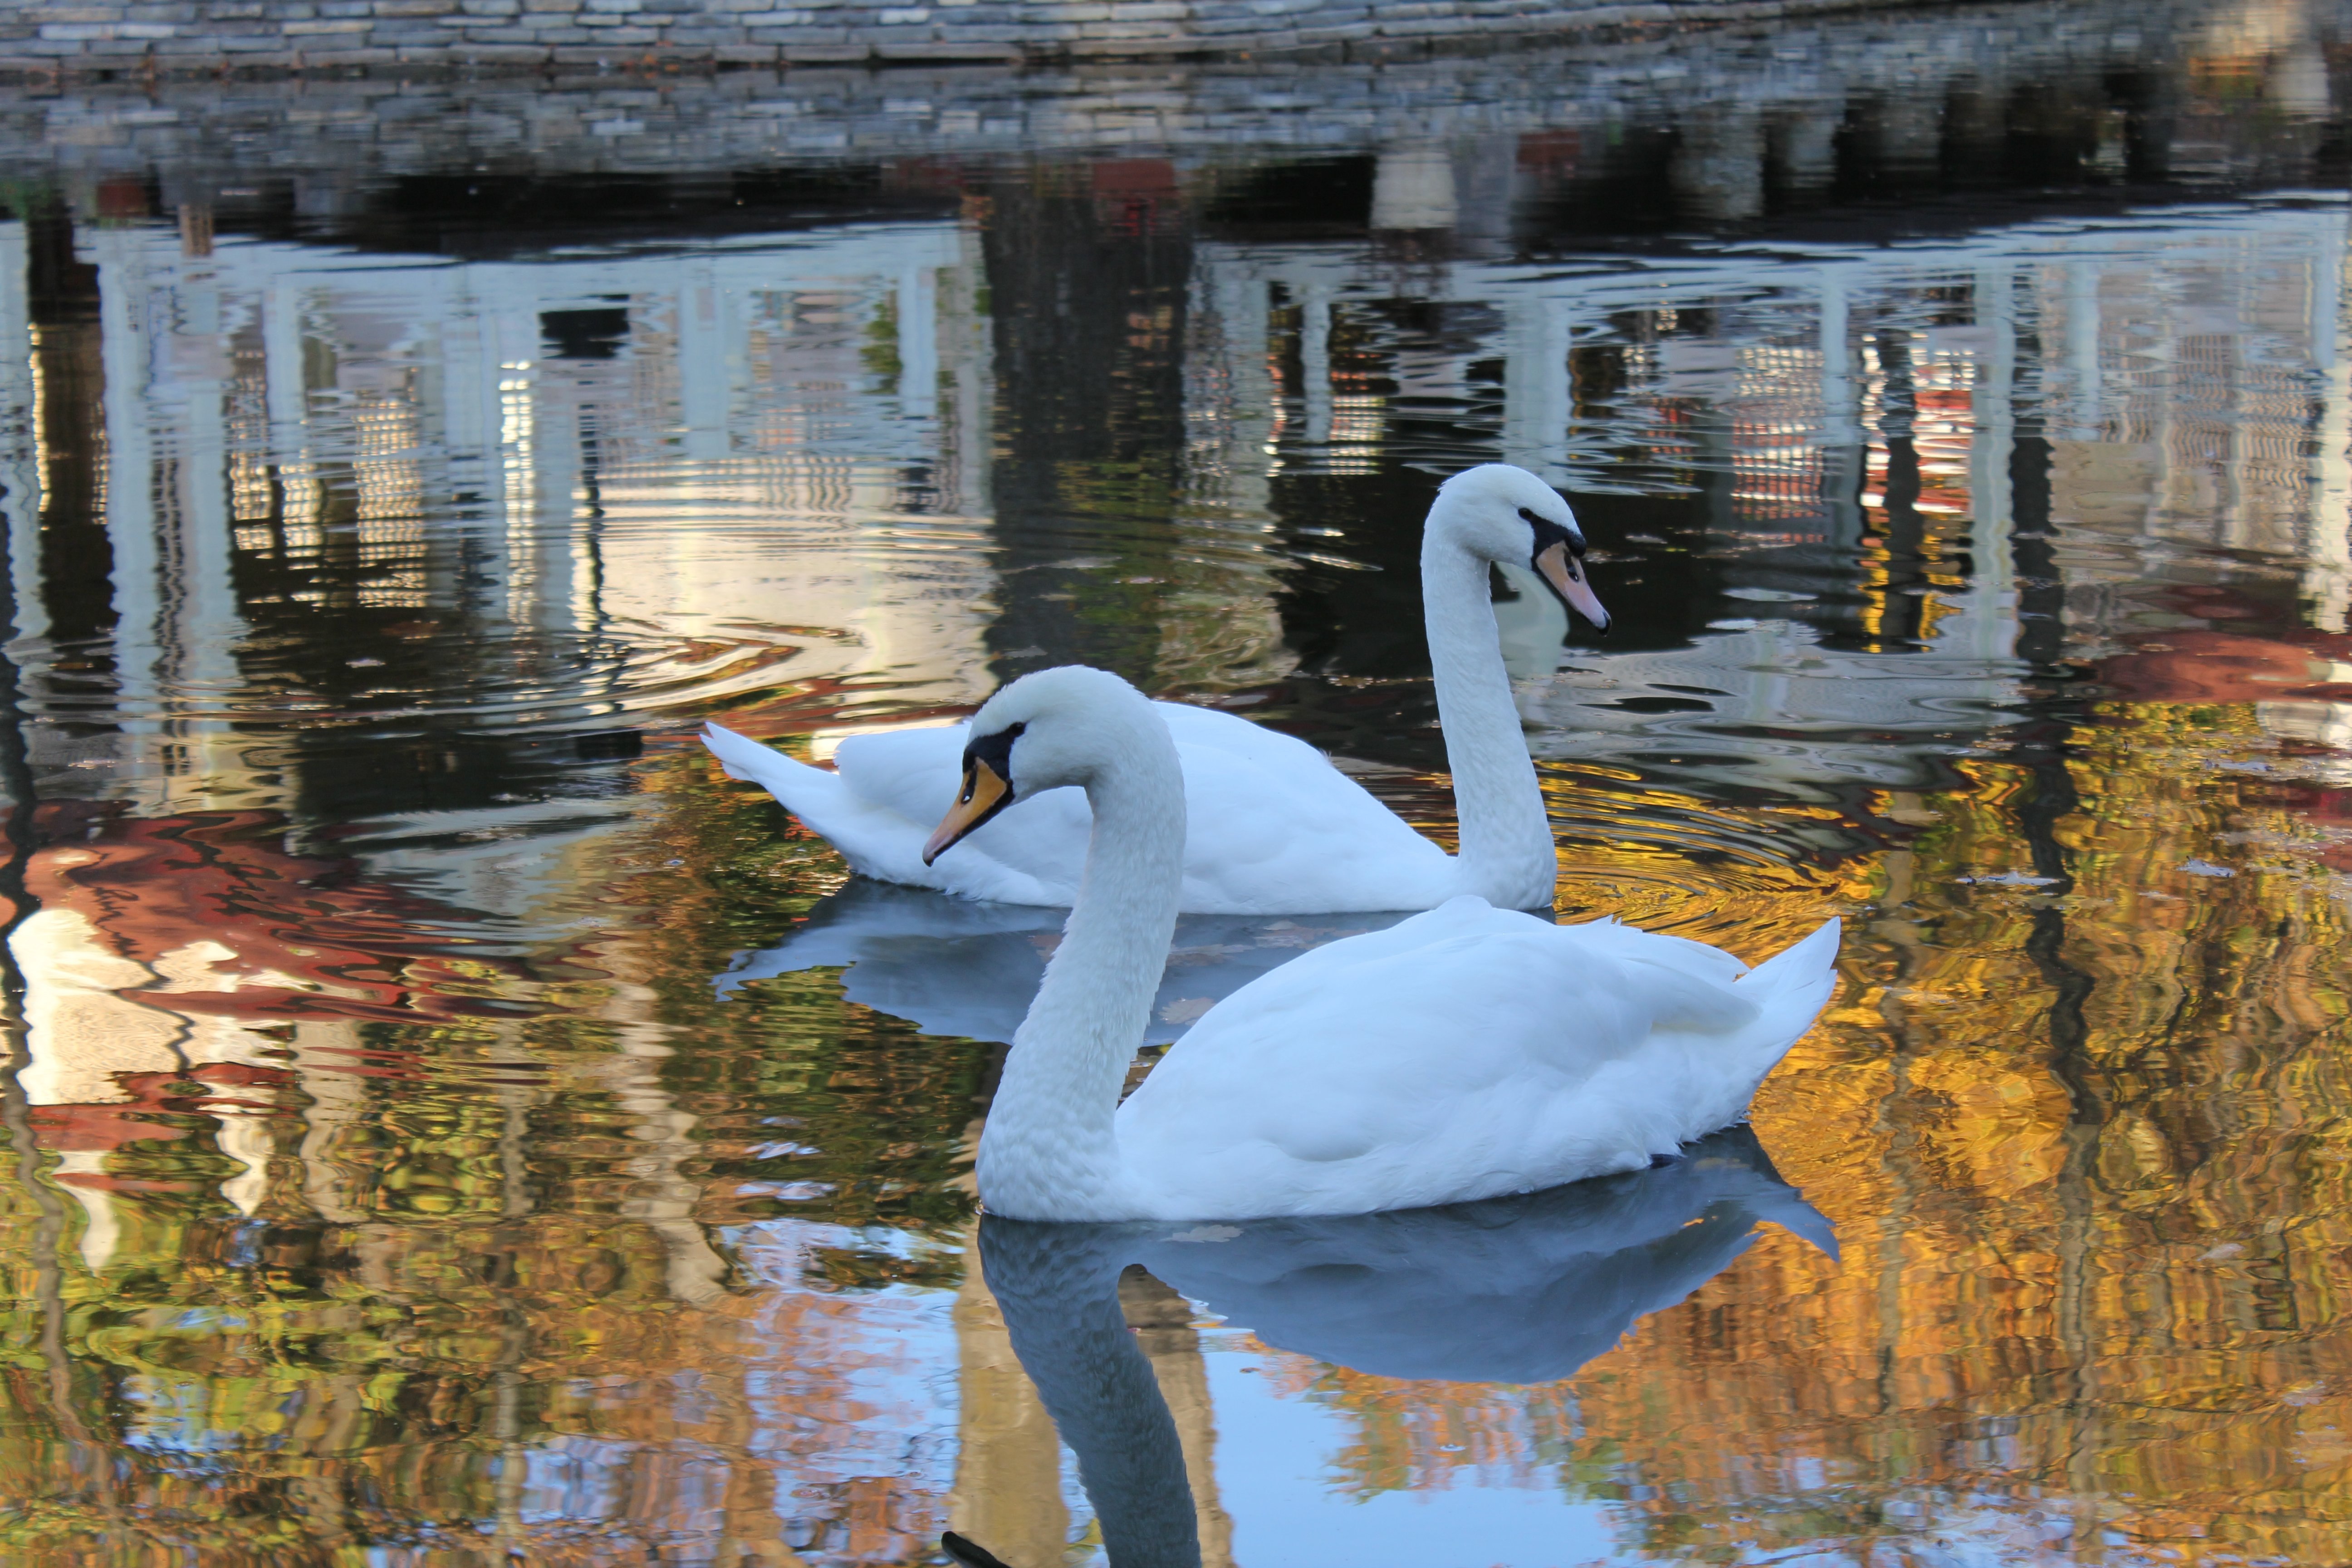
x=1050 y=1148
x=1506 y=854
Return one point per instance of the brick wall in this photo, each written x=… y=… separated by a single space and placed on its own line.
x=152 y=37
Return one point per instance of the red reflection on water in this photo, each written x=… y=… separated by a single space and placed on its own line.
x=316 y=938
x=78 y=1128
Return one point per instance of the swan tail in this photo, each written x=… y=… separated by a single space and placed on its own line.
x=1789 y=990
x=798 y=787
x=1795 y=984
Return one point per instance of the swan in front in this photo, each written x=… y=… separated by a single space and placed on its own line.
x=1465 y=1053
x=1275 y=829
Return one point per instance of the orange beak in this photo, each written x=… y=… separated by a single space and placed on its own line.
x=984 y=794
x=1564 y=574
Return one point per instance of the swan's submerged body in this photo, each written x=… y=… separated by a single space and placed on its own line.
x=1463 y=1054
x=1274 y=828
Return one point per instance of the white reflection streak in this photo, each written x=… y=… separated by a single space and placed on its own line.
x=20 y=469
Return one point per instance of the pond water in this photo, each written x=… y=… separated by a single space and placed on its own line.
x=451 y=1122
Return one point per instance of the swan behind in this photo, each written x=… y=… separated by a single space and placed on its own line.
x=1466 y=1053
x=1274 y=827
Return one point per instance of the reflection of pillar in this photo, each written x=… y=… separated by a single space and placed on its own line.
x=125 y=341
x=1991 y=411
x=1089 y=275
x=1534 y=384
x=705 y=357
x=1412 y=189
x=1718 y=170
x=244 y=1136
x=919 y=342
x=1162 y=1321
x=80 y=1171
x=665 y=1199
x=964 y=337
x=2083 y=349
x=1803 y=150
x=1314 y=361
x=202 y=629
x=20 y=482
x=2327 y=580
x=326 y=1050
x=1239 y=417
x=1008 y=1480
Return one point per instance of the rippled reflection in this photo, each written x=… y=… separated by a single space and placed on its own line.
x=450 y=1123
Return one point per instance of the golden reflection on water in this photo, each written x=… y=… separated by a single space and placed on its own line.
x=2083 y=1145
x=390 y=1184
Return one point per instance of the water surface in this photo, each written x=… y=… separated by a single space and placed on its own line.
x=452 y=1123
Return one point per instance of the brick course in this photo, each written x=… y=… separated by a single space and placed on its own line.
x=175 y=36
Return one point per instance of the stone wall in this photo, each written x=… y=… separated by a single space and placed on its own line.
x=157 y=37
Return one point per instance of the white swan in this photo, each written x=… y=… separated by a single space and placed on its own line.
x=1274 y=827
x=1465 y=1053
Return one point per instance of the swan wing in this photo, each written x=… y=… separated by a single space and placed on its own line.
x=1272 y=828
x=1464 y=1053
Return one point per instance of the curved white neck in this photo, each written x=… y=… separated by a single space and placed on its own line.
x=1507 y=855
x=1049 y=1150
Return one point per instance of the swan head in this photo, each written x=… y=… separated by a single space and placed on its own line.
x=1052 y=728
x=1506 y=515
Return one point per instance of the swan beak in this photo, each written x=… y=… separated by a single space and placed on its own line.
x=1564 y=574
x=985 y=794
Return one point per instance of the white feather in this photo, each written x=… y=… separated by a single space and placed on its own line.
x=1463 y=1053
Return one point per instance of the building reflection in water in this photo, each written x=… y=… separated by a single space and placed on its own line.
x=390 y=1179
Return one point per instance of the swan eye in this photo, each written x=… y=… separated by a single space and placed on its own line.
x=995 y=752
x=1548 y=533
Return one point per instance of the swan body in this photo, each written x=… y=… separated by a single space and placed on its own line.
x=1272 y=826
x=1463 y=1054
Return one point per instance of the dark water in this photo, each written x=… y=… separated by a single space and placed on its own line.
x=452 y=1123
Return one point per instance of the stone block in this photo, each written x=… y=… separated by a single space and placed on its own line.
x=1149 y=11
x=323 y=27
x=75 y=32
x=626 y=35
x=72 y=16
x=842 y=53
x=331 y=58
x=490 y=8
x=420 y=7
x=494 y=54
x=615 y=7
x=902 y=15
x=494 y=34
x=952 y=48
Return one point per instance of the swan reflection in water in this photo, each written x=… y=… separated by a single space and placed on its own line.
x=952 y=966
x=1519 y=1290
